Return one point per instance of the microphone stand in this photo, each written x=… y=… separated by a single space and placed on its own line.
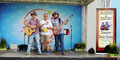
x=24 y=38
x=71 y=37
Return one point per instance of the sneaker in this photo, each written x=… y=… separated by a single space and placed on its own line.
x=40 y=53
x=48 y=53
x=57 y=53
x=28 y=54
x=43 y=52
x=63 y=53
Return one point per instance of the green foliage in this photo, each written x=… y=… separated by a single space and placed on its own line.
x=3 y=43
x=80 y=46
x=113 y=48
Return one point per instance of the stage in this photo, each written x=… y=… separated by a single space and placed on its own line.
x=70 y=54
x=13 y=55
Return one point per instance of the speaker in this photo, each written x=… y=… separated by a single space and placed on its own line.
x=66 y=31
x=91 y=51
x=22 y=47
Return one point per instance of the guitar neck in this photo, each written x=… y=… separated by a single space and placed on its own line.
x=66 y=20
x=42 y=25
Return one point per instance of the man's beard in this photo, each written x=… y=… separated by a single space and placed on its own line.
x=55 y=17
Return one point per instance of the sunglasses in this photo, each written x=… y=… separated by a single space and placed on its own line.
x=45 y=16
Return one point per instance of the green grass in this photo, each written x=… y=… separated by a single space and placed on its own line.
x=112 y=54
x=3 y=48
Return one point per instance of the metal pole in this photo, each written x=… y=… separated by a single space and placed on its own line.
x=71 y=37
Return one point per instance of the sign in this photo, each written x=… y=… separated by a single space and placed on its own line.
x=106 y=28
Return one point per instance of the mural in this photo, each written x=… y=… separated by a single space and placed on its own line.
x=12 y=16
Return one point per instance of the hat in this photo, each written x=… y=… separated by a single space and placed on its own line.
x=34 y=13
x=54 y=13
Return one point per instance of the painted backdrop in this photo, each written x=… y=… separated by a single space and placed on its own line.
x=12 y=17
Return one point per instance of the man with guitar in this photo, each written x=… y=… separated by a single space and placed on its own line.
x=57 y=23
x=31 y=23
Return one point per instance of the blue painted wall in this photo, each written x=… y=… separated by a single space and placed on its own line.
x=12 y=18
x=116 y=4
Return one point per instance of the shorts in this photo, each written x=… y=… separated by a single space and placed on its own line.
x=45 y=38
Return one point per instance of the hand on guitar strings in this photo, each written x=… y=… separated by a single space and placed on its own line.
x=44 y=24
x=51 y=28
x=32 y=26
x=55 y=28
x=42 y=30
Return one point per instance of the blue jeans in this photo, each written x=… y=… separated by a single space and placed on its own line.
x=59 y=39
x=37 y=38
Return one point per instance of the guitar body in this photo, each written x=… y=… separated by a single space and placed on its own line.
x=55 y=32
x=45 y=29
x=29 y=31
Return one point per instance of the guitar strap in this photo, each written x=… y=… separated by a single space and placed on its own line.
x=59 y=21
x=36 y=22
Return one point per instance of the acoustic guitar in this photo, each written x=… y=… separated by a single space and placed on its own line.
x=28 y=30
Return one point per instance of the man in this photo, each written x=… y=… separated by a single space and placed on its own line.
x=45 y=35
x=102 y=26
x=60 y=36
x=34 y=22
x=107 y=26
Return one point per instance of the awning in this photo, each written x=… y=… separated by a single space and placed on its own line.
x=66 y=2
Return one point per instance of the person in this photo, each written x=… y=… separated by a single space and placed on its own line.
x=45 y=35
x=107 y=26
x=102 y=26
x=60 y=37
x=34 y=22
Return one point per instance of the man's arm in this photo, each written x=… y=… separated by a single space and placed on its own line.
x=41 y=28
x=50 y=26
x=40 y=24
x=65 y=23
x=28 y=23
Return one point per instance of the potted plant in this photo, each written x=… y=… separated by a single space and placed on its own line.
x=3 y=44
x=113 y=50
x=79 y=47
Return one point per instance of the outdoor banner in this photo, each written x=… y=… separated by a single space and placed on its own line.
x=106 y=28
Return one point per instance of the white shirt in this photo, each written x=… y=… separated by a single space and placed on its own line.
x=49 y=24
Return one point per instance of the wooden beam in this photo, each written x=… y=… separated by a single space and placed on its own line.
x=66 y=2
